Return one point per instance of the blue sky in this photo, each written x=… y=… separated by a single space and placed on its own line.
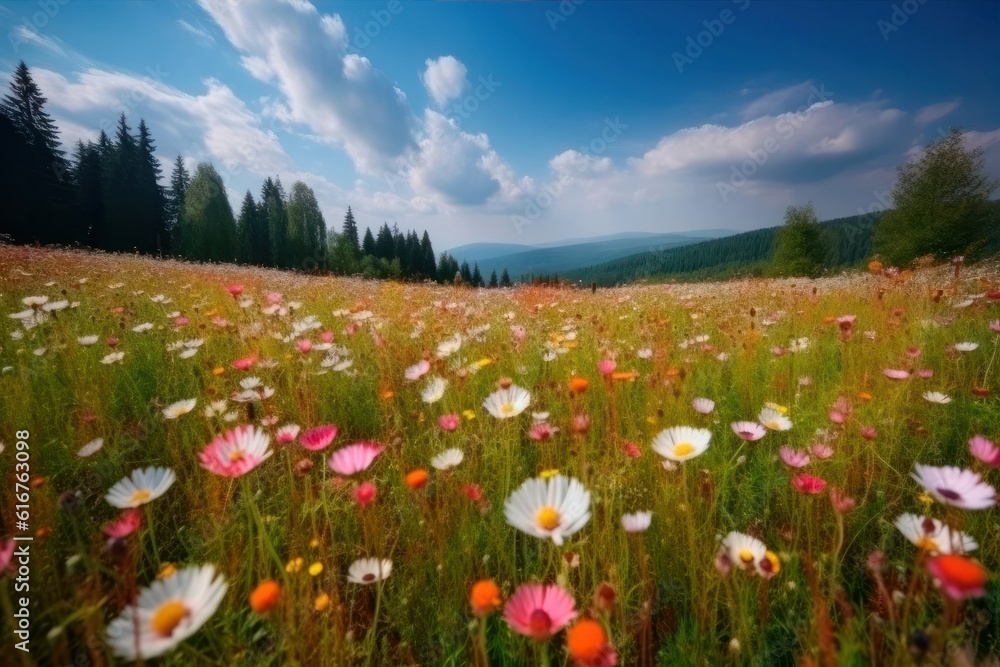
x=529 y=122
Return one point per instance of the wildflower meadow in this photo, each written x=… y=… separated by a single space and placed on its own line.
x=229 y=465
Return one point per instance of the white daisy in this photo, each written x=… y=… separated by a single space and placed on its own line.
x=681 y=443
x=369 y=570
x=113 y=358
x=448 y=459
x=954 y=486
x=175 y=410
x=637 y=522
x=417 y=370
x=933 y=536
x=774 y=420
x=509 y=402
x=936 y=397
x=966 y=346
x=91 y=448
x=140 y=328
x=703 y=405
x=549 y=509
x=87 y=341
x=743 y=550
x=142 y=486
x=166 y=613
x=434 y=391
x=450 y=346
x=645 y=353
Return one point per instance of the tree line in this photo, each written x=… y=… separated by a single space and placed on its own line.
x=108 y=195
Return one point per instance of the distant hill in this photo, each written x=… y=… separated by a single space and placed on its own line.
x=850 y=243
x=561 y=256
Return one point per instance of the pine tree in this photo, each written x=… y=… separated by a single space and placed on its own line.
x=493 y=279
x=122 y=195
x=350 y=235
x=385 y=245
x=465 y=272
x=275 y=217
x=427 y=265
x=89 y=189
x=477 y=277
x=246 y=227
x=149 y=217
x=505 y=279
x=210 y=230
x=368 y=245
x=174 y=203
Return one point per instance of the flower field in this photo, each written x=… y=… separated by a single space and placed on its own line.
x=244 y=466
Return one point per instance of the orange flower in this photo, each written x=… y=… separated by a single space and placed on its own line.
x=484 y=597
x=864 y=396
x=586 y=640
x=875 y=266
x=624 y=376
x=578 y=385
x=416 y=479
x=387 y=394
x=960 y=577
x=218 y=370
x=829 y=319
x=265 y=596
x=673 y=372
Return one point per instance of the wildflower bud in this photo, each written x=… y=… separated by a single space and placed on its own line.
x=876 y=560
x=734 y=646
x=580 y=423
x=303 y=466
x=505 y=382
x=265 y=596
x=605 y=597
x=416 y=479
x=484 y=598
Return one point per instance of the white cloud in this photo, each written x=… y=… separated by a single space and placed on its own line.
x=202 y=34
x=445 y=79
x=934 y=112
x=340 y=97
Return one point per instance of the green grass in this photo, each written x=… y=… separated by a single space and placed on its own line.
x=672 y=606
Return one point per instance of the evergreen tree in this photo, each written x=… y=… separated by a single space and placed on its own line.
x=89 y=189
x=174 y=203
x=42 y=177
x=209 y=228
x=505 y=279
x=368 y=245
x=465 y=272
x=799 y=249
x=350 y=235
x=941 y=205
x=246 y=227
x=122 y=194
x=477 y=277
x=427 y=265
x=385 y=245
x=149 y=221
x=307 y=229
x=493 y=279
x=275 y=217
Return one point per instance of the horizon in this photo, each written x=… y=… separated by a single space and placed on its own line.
x=581 y=123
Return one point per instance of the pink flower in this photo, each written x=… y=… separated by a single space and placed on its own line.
x=273 y=298
x=580 y=423
x=354 y=458
x=841 y=503
x=244 y=363
x=606 y=366
x=235 y=289
x=448 y=422
x=417 y=370
x=837 y=417
x=126 y=524
x=542 y=431
x=808 y=484
x=112 y=342
x=895 y=374
x=868 y=433
x=287 y=434
x=182 y=321
x=631 y=449
x=304 y=345
x=319 y=437
x=749 y=430
x=518 y=333
x=326 y=336
x=794 y=458
x=364 y=494
x=913 y=352
x=960 y=577
x=473 y=492
x=539 y=611
x=821 y=450
x=778 y=351
x=236 y=452
x=925 y=373
x=995 y=326
x=985 y=451
x=703 y=405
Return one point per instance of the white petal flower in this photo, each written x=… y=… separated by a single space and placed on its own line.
x=141 y=487
x=550 y=509
x=509 y=402
x=369 y=570
x=448 y=459
x=681 y=443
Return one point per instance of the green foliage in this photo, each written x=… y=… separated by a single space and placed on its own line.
x=799 y=244
x=306 y=229
x=209 y=229
x=941 y=205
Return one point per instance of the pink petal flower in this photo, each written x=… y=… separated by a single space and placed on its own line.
x=836 y=417
x=326 y=336
x=304 y=345
x=236 y=452
x=794 y=458
x=319 y=437
x=539 y=611
x=273 y=298
x=868 y=433
x=749 y=431
x=354 y=458
x=913 y=352
x=245 y=363
x=123 y=526
x=808 y=484
x=895 y=374
x=542 y=432
x=985 y=451
x=364 y=494
x=841 y=503
x=448 y=422
x=606 y=366
x=235 y=289
x=631 y=449
x=925 y=373
x=182 y=321
x=821 y=450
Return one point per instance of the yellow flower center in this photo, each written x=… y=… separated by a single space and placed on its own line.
x=507 y=409
x=167 y=617
x=746 y=556
x=927 y=543
x=683 y=448
x=140 y=496
x=773 y=424
x=548 y=517
x=236 y=455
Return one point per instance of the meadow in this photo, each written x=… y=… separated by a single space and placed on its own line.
x=704 y=474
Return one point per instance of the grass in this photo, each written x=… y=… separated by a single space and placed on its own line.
x=671 y=606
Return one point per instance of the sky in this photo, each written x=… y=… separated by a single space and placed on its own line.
x=528 y=122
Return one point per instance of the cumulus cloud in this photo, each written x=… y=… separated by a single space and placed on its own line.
x=445 y=78
x=340 y=97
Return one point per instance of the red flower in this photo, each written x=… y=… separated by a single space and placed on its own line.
x=365 y=494
x=808 y=484
x=960 y=577
x=631 y=449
